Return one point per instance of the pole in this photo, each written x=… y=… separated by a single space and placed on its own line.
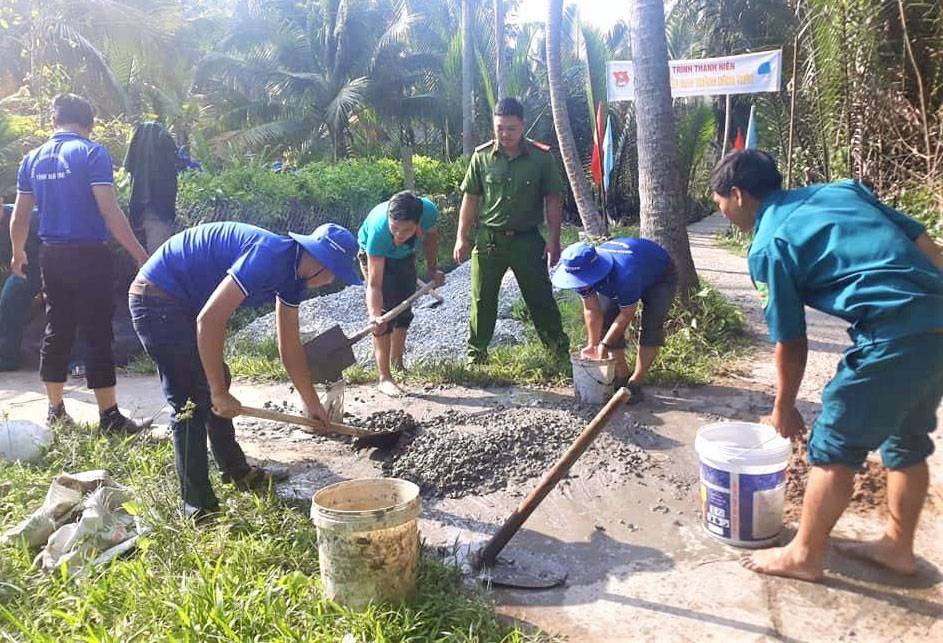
x=726 y=126
x=559 y=470
x=792 y=109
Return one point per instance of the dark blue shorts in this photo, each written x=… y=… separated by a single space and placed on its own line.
x=883 y=396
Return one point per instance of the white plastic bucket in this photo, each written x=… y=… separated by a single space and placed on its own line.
x=743 y=482
x=592 y=378
x=368 y=540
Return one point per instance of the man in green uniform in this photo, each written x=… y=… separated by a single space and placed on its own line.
x=836 y=248
x=511 y=179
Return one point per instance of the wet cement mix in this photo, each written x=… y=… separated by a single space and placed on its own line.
x=869 y=494
x=458 y=454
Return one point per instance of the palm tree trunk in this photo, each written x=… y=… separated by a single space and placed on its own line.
x=468 y=56
x=501 y=71
x=662 y=203
x=593 y=221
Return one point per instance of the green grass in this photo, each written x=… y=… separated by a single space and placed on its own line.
x=701 y=337
x=252 y=575
x=734 y=241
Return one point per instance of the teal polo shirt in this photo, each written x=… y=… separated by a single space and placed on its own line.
x=836 y=248
x=375 y=238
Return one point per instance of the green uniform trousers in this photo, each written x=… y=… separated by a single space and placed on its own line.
x=494 y=253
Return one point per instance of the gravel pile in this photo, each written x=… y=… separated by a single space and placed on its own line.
x=435 y=334
x=392 y=420
x=459 y=454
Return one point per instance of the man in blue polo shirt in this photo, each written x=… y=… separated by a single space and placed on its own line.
x=388 y=239
x=836 y=248
x=612 y=279
x=181 y=301
x=69 y=179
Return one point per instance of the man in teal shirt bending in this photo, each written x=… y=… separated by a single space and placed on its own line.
x=836 y=248
x=388 y=240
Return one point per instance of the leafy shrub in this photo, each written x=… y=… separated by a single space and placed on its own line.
x=343 y=192
x=924 y=205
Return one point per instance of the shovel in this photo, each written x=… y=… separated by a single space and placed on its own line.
x=330 y=352
x=362 y=437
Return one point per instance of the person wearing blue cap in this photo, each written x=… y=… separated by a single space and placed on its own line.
x=388 y=239
x=612 y=279
x=181 y=301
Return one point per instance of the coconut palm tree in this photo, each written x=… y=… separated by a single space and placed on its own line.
x=593 y=221
x=89 y=39
x=662 y=211
x=468 y=78
x=499 y=46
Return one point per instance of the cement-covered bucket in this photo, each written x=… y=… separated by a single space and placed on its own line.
x=743 y=482
x=368 y=540
x=592 y=378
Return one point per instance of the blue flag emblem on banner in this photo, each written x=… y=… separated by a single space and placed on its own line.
x=764 y=69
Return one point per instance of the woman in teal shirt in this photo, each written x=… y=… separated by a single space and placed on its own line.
x=388 y=239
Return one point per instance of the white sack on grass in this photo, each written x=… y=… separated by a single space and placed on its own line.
x=82 y=520
x=23 y=440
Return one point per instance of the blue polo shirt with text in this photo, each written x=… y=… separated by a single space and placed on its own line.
x=838 y=249
x=191 y=264
x=59 y=175
x=637 y=264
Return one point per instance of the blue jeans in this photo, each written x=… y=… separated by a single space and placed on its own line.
x=167 y=329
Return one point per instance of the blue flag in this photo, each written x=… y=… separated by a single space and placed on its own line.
x=607 y=154
x=751 y=129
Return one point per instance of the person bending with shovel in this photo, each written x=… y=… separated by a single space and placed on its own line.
x=611 y=279
x=388 y=239
x=181 y=301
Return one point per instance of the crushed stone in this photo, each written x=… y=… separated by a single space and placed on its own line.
x=458 y=454
x=435 y=334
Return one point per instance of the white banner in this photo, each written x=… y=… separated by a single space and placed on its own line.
x=744 y=74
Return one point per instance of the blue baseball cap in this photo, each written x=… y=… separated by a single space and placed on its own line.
x=335 y=247
x=581 y=266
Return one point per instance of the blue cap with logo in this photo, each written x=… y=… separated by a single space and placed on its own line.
x=336 y=248
x=581 y=266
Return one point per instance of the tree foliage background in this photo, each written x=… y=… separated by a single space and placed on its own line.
x=300 y=81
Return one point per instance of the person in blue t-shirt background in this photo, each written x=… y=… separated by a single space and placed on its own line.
x=388 y=239
x=612 y=279
x=181 y=302
x=838 y=249
x=70 y=180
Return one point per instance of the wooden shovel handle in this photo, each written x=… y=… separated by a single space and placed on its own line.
x=317 y=427
x=356 y=337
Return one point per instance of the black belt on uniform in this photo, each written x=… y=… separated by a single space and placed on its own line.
x=508 y=232
x=143 y=288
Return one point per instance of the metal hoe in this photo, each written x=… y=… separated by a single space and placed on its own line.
x=330 y=352
x=488 y=557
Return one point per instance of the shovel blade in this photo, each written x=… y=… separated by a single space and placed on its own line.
x=328 y=354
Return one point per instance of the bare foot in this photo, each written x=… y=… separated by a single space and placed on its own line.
x=782 y=561
x=389 y=387
x=885 y=553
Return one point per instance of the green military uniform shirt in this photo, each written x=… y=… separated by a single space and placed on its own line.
x=512 y=190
